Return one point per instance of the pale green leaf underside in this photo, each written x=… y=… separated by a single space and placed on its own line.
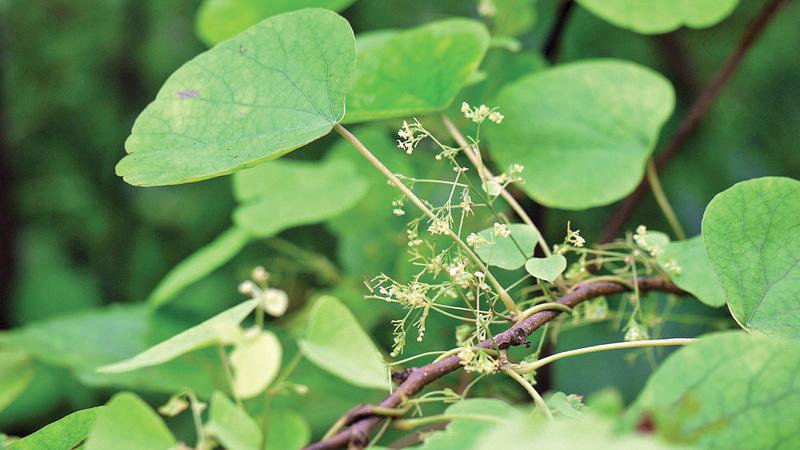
x=752 y=236
x=415 y=71
x=267 y=91
x=660 y=16
x=255 y=362
x=548 y=268
x=582 y=130
x=505 y=252
x=128 y=423
x=335 y=342
x=199 y=336
x=231 y=426
x=67 y=432
x=218 y=20
x=728 y=390
x=284 y=194
x=199 y=264
x=16 y=372
x=476 y=417
x=696 y=275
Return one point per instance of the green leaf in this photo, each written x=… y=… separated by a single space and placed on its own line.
x=751 y=237
x=287 y=430
x=728 y=390
x=128 y=423
x=548 y=268
x=255 y=362
x=695 y=273
x=660 y=16
x=199 y=264
x=511 y=252
x=218 y=20
x=285 y=194
x=512 y=17
x=67 y=432
x=415 y=71
x=231 y=426
x=573 y=125
x=277 y=86
x=335 y=341
x=16 y=372
x=199 y=336
x=474 y=418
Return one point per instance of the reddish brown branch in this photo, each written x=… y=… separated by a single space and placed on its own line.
x=357 y=434
x=622 y=214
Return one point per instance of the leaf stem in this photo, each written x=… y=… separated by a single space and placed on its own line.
x=663 y=201
x=530 y=367
x=537 y=399
x=502 y=294
x=229 y=375
x=410 y=424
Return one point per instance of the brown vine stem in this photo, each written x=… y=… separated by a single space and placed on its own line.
x=485 y=173
x=357 y=432
x=501 y=292
x=553 y=44
x=696 y=113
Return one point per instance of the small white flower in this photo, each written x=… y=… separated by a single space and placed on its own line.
x=501 y=230
x=398 y=212
x=496 y=117
x=475 y=240
x=274 y=301
x=248 y=288
x=260 y=275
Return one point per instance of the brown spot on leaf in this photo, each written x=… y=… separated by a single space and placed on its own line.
x=188 y=93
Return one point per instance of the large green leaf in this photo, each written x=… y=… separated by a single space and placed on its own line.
x=255 y=362
x=218 y=20
x=231 y=426
x=266 y=92
x=16 y=373
x=415 y=71
x=336 y=342
x=573 y=125
x=199 y=264
x=287 y=430
x=128 y=423
x=474 y=418
x=199 y=336
x=510 y=252
x=695 y=274
x=752 y=240
x=728 y=390
x=285 y=194
x=67 y=432
x=660 y=16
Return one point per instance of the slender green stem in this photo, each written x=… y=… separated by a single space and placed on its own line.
x=229 y=374
x=663 y=201
x=484 y=172
x=410 y=424
x=537 y=399
x=530 y=367
x=543 y=307
x=504 y=297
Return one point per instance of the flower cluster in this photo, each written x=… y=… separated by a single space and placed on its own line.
x=480 y=113
x=636 y=332
x=273 y=301
x=651 y=242
x=476 y=240
x=574 y=237
x=411 y=134
x=478 y=360
x=501 y=230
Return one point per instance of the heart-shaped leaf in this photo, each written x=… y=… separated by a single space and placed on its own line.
x=751 y=234
x=573 y=125
x=548 y=268
x=727 y=390
x=335 y=342
x=415 y=71
x=693 y=272
x=473 y=418
x=660 y=16
x=285 y=194
x=266 y=92
x=128 y=423
x=510 y=252
x=231 y=426
x=218 y=20
x=255 y=362
x=199 y=336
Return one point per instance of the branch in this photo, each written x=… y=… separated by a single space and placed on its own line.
x=553 y=43
x=696 y=113
x=357 y=434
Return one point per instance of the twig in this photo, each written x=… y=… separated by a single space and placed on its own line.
x=696 y=113
x=357 y=434
x=553 y=43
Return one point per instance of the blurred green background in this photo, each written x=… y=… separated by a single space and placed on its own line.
x=75 y=73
